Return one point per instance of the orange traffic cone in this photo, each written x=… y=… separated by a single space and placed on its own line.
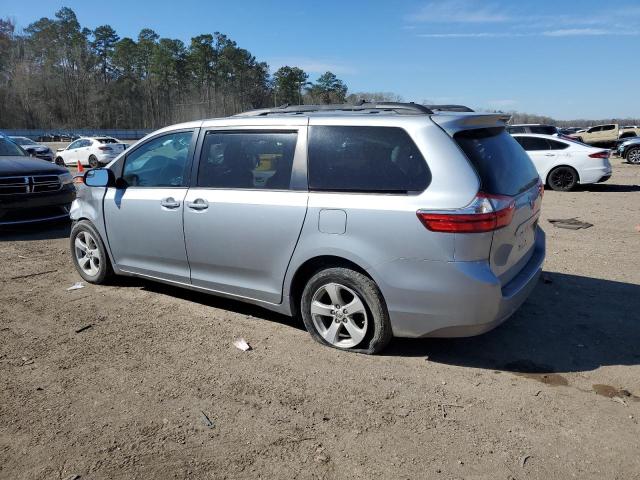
x=80 y=167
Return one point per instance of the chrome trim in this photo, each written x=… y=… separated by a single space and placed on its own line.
x=46 y=183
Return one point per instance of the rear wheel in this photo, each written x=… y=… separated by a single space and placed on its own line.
x=93 y=161
x=60 y=161
x=344 y=309
x=89 y=254
x=633 y=155
x=562 y=179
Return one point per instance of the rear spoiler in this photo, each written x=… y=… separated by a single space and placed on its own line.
x=453 y=124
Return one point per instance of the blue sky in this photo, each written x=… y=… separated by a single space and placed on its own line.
x=563 y=58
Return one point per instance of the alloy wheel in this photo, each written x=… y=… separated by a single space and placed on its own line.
x=339 y=315
x=634 y=156
x=562 y=179
x=87 y=253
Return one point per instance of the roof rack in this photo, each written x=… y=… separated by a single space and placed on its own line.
x=449 y=108
x=373 y=107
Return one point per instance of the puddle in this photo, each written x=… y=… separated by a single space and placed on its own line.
x=611 y=392
x=534 y=371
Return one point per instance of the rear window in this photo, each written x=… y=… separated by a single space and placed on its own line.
x=107 y=140
x=503 y=166
x=543 y=129
x=365 y=159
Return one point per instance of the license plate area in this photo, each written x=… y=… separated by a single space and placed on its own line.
x=525 y=233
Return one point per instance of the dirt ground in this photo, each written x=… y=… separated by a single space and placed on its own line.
x=552 y=393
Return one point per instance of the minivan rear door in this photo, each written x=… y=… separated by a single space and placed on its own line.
x=505 y=169
x=245 y=209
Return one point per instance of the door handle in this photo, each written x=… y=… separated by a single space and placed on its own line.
x=198 y=204
x=169 y=202
x=549 y=154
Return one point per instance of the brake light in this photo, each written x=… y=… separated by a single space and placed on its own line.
x=486 y=213
x=105 y=149
x=602 y=154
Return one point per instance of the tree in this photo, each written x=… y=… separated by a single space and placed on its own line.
x=104 y=43
x=288 y=83
x=328 y=89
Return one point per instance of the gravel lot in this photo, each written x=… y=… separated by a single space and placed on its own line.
x=552 y=393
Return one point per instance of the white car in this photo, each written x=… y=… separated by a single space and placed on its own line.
x=90 y=151
x=563 y=163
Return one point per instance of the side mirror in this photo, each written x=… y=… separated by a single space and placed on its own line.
x=99 y=177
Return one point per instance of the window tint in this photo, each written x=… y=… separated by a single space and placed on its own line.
x=161 y=162
x=247 y=160
x=594 y=129
x=555 y=145
x=608 y=127
x=516 y=130
x=533 y=143
x=85 y=143
x=75 y=144
x=543 y=129
x=365 y=159
x=503 y=167
x=106 y=140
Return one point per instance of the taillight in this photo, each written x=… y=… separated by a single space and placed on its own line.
x=486 y=213
x=105 y=149
x=540 y=188
x=602 y=154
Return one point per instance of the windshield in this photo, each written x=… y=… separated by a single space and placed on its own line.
x=503 y=166
x=10 y=149
x=22 y=141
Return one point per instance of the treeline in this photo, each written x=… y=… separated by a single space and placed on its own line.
x=519 y=117
x=57 y=74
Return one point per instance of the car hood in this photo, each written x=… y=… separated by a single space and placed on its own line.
x=35 y=148
x=10 y=166
x=629 y=141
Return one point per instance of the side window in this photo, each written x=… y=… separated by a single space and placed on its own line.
x=516 y=130
x=86 y=143
x=161 y=162
x=555 y=145
x=251 y=160
x=75 y=144
x=365 y=159
x=608 y=127
x=533 y=143
x=594 y=129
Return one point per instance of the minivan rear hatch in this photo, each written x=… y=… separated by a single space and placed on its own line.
x=505 y=169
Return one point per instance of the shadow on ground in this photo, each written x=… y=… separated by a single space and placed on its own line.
x=571 y=324
x=608 y=188
x=36 y=231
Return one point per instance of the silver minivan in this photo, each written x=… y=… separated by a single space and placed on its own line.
x=367 y=221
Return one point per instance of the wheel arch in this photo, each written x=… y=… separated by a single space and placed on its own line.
x=310 y=267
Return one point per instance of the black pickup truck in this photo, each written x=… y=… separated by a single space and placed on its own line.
x=32 y=190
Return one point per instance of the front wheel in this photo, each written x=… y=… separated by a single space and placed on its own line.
x=89 y=254
x=60 y=161
x=562 y=179
x=345 y=309
x=633 y=156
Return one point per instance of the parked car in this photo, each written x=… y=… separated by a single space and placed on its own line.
x=533 y=128
x=31 y=190
x=369 y=221
x=562 y=164
x=569 y=130
x=629 y=149
x=90 y=151
x=33 y=148
x=604 y=135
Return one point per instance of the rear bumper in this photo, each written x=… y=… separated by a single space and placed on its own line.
x=595 y=174
x=454 y=299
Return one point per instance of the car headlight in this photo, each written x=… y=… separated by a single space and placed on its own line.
x=66 y=178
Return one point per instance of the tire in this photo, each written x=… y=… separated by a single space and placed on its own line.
x=580 y=139
x=562 y=179
x=633 y=155
x=93 y=161
x=97 y=269
x=60 y=162
x=364 y=329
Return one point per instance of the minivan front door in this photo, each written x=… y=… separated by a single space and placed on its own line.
x=243 y=217
x=143 y=216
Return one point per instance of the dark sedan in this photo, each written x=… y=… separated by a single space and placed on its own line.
x=32 y=190
x=629 y=149
x=34 y=149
